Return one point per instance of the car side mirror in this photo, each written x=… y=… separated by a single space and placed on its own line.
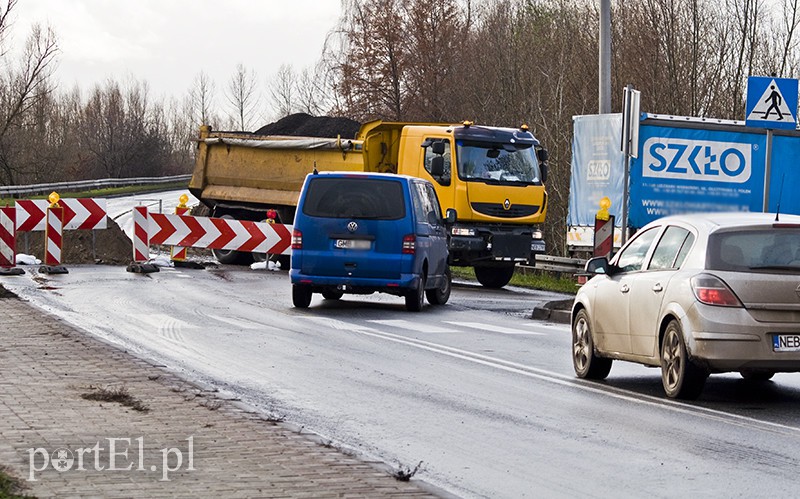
x=598 y=265
x=450 y=216
x=437 y=166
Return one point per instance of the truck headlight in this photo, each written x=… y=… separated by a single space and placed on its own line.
x=537 y=234
x=462 y=231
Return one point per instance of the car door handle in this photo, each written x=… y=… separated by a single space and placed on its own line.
x=624 y=288
x=657 y=287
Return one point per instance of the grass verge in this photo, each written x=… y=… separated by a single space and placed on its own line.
x=529 y=278
x=11 y=487
x=108 y=192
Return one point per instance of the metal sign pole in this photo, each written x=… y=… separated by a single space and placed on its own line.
x=767 y=170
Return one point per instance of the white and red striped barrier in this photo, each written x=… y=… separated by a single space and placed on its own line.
x=604 y=236
x=8 y=237
x=210 y=233
x=178 y=253
x=79 y=213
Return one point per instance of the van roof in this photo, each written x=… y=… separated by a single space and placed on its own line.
x=374 y=175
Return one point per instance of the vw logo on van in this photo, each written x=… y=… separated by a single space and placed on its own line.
x=797 y=291
x=352 y=226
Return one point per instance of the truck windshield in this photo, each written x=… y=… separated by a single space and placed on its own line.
x=497 y=163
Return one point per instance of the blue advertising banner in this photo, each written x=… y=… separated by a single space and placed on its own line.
x=683 y=170
x=597 y=167
x=785 y=174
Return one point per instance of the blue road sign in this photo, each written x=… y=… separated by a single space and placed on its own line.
x=771 y=102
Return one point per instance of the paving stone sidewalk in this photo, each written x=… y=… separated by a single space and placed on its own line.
x=186 y=443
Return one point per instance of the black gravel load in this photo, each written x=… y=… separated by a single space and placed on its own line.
x=305 y=125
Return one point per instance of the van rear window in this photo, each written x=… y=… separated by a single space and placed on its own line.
x=349 y=197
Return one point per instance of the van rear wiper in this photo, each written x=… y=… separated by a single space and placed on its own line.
x=775 y=267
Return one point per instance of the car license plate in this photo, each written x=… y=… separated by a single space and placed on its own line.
x=361 y=244
x=537 y=247
x=786 y=343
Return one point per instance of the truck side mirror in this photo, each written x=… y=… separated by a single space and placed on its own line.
x=438 y=148
x=543 y=168
x=450 y=216
x=543 y=155
x=437 y=166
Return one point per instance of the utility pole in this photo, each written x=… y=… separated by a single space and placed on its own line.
x=604 y=84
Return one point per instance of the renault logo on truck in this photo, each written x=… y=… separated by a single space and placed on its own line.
x=706 y=160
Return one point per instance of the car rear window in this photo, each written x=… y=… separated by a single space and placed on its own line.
x=350 y=197
x=759 y=250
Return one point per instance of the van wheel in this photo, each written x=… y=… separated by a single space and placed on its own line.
x=301 y=296
x=494 y=277
x=415 y=298
x=440 y=295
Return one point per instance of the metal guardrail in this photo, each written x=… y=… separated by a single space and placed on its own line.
x=559 y=264
x=24 y=190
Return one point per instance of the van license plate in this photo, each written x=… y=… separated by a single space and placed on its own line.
x=786 y=343
x=361 y=244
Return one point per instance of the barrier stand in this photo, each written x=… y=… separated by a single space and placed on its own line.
x=603 y=236
x=53 y=237
x=141 y=243
x=177 y=253
x=8 y=238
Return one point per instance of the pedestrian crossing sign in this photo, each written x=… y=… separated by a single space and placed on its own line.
x=771 y=102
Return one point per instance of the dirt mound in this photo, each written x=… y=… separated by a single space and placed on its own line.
x=111 y=246
x=305 y=125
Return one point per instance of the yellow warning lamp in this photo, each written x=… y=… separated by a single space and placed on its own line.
x=183 y=200
x=605 y=204
x=54 y=198
x=467 y=123
x=524 y=127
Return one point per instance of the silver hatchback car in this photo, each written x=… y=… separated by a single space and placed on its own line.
x=695 y=295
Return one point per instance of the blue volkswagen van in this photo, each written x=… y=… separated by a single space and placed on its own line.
x=361 y=233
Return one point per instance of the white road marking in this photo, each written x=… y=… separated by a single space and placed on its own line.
x=567 y=381
x=494 y=329
x=416 y=327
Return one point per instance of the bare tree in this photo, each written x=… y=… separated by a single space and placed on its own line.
x=23 y=88
x=201 y=98
x=282 y=90
x=243 y=97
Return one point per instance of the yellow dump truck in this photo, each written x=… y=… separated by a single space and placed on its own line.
x=489 y=180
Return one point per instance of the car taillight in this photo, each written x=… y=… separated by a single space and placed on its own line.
x=711 y=290
x=409 y=244
x=297 y=240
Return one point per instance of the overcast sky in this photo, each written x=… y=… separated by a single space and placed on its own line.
x=168 y=42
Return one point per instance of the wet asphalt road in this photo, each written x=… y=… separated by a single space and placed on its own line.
x=485 y=398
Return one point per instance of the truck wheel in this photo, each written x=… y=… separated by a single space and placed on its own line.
x=440 y=295
x=301 y=296
x=494 y=277
x=231 y=256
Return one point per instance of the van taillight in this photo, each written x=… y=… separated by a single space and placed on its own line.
x=297 y=240
x=409 y=244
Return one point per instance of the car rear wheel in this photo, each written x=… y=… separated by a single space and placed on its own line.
x=332 y=294
x=440 y=295
x=586 y=363
x=757 y=375
x=415 y=298
x=681 y=377
x=301 y=296
x=494 y=277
